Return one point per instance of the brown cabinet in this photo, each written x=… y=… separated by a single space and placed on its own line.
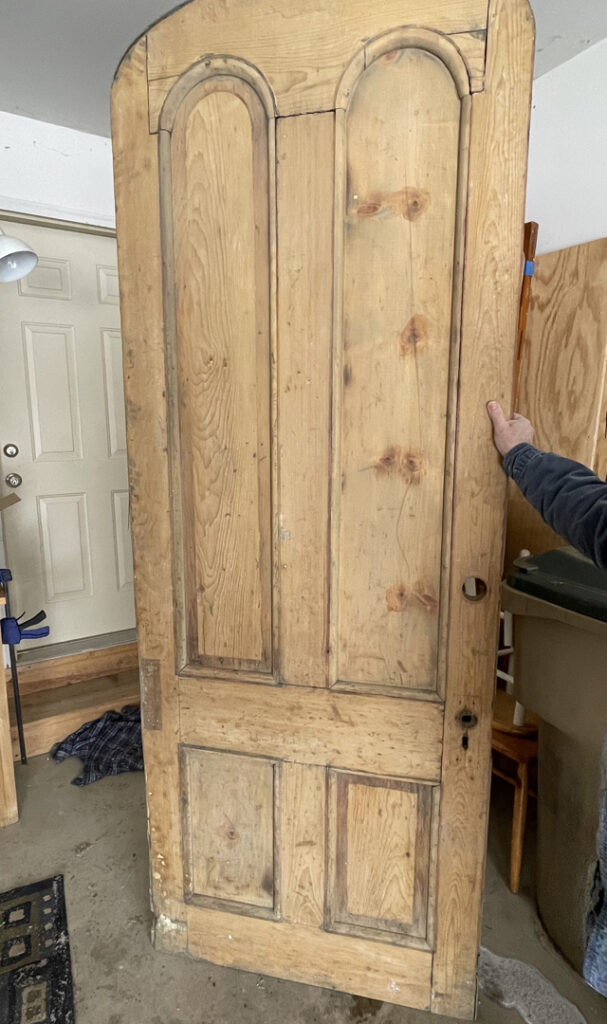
x=319 y=213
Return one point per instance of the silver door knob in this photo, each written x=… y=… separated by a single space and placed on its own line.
x=13 y=479
x=10 y=450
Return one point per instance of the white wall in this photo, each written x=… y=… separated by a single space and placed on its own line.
x=567 y=184
x=50 y=171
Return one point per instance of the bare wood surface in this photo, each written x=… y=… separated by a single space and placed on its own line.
x=379 y=856
x=320 y=40
x=305 y=186
x=375 y=734
x=223 y=359
x=490 y=309
x=9 y=813
x=392 y=369
x=313 y=61
x=302 y=823
x=312 y=956
x=142 y=319
x=563 y=375
x=229 y=827
x=75 y=668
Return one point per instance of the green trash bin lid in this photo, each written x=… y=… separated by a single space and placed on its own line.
x=565 y=578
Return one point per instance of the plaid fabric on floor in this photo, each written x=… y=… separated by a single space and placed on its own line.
x=108 y=746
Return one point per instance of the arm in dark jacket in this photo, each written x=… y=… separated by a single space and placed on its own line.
x=568 y=496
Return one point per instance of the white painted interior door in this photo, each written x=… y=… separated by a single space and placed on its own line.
x=67 y=543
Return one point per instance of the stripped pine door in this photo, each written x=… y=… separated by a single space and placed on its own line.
x=320 y=213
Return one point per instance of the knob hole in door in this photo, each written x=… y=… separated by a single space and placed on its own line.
x=474 y=588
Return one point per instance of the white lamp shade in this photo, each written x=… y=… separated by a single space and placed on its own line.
x=16 y=259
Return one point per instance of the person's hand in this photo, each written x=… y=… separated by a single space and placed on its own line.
x=508 y=433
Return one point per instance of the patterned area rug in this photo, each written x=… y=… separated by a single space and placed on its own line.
x=35 y=968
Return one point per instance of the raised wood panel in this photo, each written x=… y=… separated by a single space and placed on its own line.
x=50 y=279
x=305 y=147
x=379 y=857
x=563 y=372
x=111 y=342
x=320 y=40
x=228 y=828
x=397 y=342
x=314 y=726
x=50 y=363
x=310 y=955
x=65 y=545
x=220 y=206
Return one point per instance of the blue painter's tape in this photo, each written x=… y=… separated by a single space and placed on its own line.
x=529 y=268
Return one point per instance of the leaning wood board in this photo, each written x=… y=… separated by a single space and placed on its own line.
x=315 y=309
x=563 y=379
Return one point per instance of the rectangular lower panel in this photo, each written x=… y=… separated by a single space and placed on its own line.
x=312 y=956
x=379 y=856
x=228 y=829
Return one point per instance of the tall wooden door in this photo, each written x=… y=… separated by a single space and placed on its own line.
x=62 y=408
x=320 y=210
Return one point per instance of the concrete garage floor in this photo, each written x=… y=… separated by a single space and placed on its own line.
x=96 y=837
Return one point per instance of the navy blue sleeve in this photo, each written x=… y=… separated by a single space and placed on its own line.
x=568 y=496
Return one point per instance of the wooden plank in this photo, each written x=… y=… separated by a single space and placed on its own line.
x=392 y=369
x=305 y=296
x=220 y=224
x=75 y=668
x=9 y=812
x=563 y=375
x=302 y=56
x=50 y=716
x=368 y=733
x=142 y=318
x=302 y=832
x=228 y=827
x=490 y=309
x=314 y=957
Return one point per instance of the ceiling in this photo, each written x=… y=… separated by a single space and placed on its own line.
x=59 y=57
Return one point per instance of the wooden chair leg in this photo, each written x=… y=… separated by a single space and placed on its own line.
x=519 y=817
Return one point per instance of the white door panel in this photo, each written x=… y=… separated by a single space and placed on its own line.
x=68 y=542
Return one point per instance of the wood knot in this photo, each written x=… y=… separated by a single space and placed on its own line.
x=397 y=597
x=414 y=335
x=410 y=203
x=369 y=209
x=408 y=463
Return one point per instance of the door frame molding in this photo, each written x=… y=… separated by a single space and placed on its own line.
x=61 y=225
